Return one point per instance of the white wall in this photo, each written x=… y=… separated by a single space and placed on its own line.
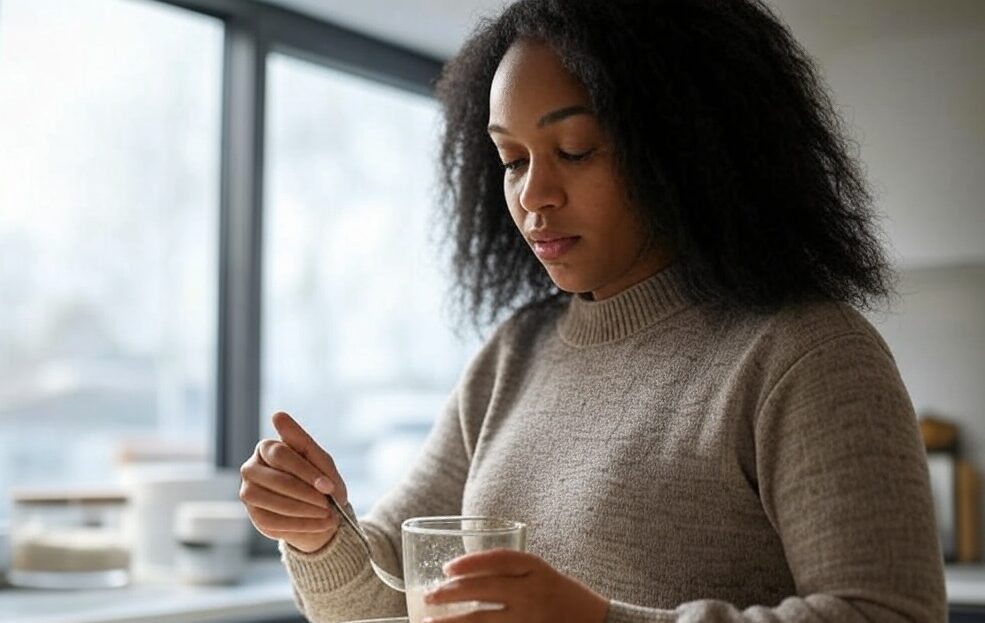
x=909 y=78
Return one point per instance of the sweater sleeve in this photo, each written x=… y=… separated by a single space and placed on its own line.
x=336 y=583
x=843 y=479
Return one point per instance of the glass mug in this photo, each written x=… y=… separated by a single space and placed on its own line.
x=430 y=542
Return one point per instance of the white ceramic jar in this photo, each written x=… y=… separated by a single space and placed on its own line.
x=212 y=542
x=155 y=493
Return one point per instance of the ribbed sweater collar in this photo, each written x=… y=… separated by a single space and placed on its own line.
x=587 y=322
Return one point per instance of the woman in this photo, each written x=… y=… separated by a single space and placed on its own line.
x=687 y=409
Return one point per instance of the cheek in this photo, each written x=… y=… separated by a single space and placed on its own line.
x=618 y=227
x=513 y=205
x=605 y=204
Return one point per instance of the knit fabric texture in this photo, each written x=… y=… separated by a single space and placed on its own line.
x=685 y=464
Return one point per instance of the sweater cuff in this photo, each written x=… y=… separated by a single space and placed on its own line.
x=621 y=612
x=329 y=568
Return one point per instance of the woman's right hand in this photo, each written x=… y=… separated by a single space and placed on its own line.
x=284 y=486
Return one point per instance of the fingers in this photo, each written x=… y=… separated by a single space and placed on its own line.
x=282 y=457
x=477 y=616
x=280 y=495
x=255 y=472
x=488 y=588
x=268 y=521
x=301 y=442
x=257 y=496
x=494 y=562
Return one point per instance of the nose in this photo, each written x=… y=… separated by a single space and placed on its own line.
x=542 y=187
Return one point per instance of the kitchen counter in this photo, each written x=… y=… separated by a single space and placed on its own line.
x=264 y=595
x=965 y=585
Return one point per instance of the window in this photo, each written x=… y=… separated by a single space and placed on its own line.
x=356 y=342
x=111 y=113
x=109 y=196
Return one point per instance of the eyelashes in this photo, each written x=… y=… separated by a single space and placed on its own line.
x=514 y=165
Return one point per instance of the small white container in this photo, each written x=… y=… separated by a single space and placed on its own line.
x=212 y=542
x=156 y=491
x=68 y=540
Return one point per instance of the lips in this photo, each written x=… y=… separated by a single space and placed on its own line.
x=552 y=248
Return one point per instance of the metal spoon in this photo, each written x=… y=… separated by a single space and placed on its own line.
x=390 y=580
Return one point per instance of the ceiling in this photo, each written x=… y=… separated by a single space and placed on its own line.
x=434 y=27
x=438 y=27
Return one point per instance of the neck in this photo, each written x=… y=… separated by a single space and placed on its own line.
x=645 y=266
x=588 y=322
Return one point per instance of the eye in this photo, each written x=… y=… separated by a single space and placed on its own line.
x=585 y=155
x=513 y=165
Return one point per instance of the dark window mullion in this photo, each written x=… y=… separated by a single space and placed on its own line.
x=238 y=385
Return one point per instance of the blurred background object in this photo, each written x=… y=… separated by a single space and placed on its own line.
x=156 y=493
x=954 y=484
x=71 y=539
x=212 y=541
x=4 y=551
x=939 y=435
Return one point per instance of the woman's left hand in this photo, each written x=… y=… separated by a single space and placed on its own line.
x=531 y=590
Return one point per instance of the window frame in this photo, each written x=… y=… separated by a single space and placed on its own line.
x=253 y=31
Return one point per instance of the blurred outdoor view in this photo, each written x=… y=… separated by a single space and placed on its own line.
x=356 y=341
x=110 y=117
x=109 y=188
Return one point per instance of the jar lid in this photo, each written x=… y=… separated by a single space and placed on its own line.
x=211 y=522
x=64 y=497
x=169 y=485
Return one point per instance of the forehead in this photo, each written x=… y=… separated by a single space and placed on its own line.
x=530 y=78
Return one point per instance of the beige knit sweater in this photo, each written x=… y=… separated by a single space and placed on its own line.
x=686 y=466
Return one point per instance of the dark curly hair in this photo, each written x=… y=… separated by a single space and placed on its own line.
x=723 y=131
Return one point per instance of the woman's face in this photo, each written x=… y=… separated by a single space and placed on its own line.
x=560 y=179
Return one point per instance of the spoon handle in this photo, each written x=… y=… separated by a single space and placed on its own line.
x=385 y=576
x=345 y=516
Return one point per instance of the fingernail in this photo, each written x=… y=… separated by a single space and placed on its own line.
x=446 y=568
x=323 y=484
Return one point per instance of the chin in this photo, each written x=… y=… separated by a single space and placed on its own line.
x=567 y=281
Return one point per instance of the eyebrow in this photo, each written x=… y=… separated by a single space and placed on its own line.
x=549 y=118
